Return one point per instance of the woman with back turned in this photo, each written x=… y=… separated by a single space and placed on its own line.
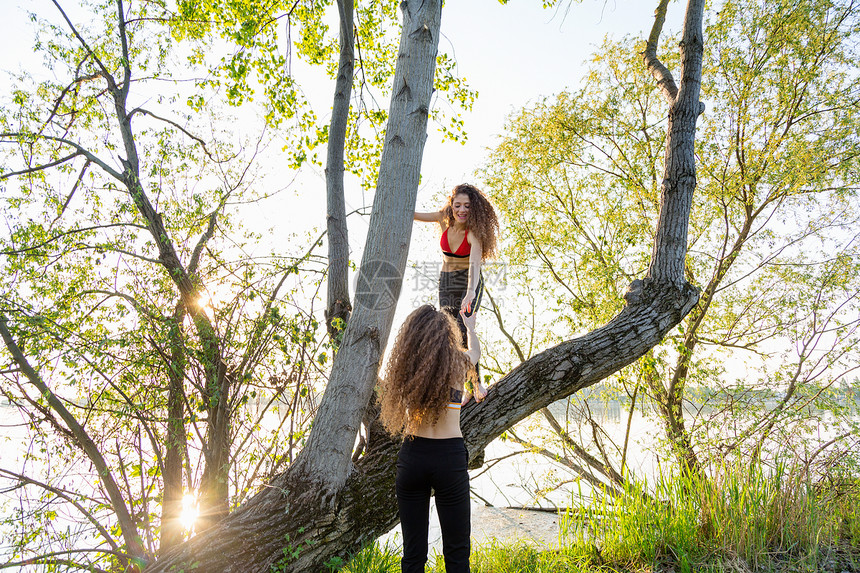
x=421 y=396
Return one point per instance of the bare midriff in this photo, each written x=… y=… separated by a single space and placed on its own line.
x=448 y=426
x=456 y=237
x=454 y=263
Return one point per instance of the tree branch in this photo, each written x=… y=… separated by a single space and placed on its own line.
x=78 y=80
x=70 y=232
x=180 y=128
x=604 y=468
x=129 y=530
x=48 y=559
x=71 y=194
x=66 y=495
x=80 y=151
x=126 y=58
x=105 y=73
x=498 y=314
x=38 y=168
x=254 y=346
x=661 y=73
x=338 y=306
x=567 y=462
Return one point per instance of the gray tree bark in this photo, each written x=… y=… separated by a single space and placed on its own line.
x=338 y=306
x=679 y=183
x=325 y=506
x=679 y=180
x=326 y=458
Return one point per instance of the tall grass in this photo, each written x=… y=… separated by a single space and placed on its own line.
x=738 y=513
x=738 y=519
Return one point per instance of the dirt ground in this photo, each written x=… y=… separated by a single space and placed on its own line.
x=489 y=523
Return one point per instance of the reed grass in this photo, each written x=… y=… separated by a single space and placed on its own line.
x=375 y=558
x=738 y=519
x=738 y=514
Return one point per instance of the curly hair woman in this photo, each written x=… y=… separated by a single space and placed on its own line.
x=421 y=396
x=469 y=228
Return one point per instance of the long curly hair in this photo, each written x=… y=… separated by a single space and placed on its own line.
x=427 y=360
x=482 y=217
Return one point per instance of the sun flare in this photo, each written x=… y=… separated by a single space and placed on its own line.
x=190 y=511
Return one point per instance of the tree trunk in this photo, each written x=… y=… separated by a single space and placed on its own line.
x=214 y=492
x=174 y=447
x=679 y=183
x=320 y=509
x=326 y=459
x=338 y=306
x=679 y=180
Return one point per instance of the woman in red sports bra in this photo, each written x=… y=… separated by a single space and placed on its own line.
x=469 y=228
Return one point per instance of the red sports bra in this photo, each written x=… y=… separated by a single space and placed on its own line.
x=462 y=251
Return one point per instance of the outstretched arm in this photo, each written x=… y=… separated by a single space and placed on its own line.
x=434 y=217
x=473 y=345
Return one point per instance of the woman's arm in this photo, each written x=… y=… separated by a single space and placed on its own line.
x=434 y=217
x=475 y=262
x=473 y=345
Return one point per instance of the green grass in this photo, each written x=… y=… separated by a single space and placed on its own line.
x=375 y=558
x=738 y=520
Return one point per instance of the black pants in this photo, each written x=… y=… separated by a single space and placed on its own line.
x=441 y=465
x=452 y=290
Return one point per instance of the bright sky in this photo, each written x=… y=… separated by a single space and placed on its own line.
x=517 y=53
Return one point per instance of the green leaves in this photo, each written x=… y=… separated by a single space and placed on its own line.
x=93 y=304
x=264 y=39
x=576 y=179
x=773 y=228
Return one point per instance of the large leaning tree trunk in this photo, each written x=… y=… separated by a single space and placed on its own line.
x=338 y=306
x=331 y=502
x=310 y=514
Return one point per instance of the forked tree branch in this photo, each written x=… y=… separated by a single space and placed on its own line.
x=660 y=72
x=105 y=72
